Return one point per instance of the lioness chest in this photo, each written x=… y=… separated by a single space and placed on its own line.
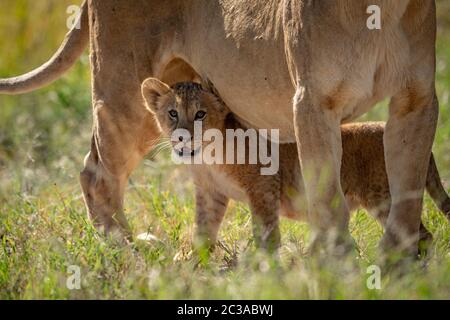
x=375 y=68
x=346 y=71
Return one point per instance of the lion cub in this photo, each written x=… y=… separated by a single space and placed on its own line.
x=363 y=174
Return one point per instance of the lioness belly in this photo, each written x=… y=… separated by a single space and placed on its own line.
x=247 y=66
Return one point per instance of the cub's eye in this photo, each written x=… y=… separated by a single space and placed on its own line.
x=173 y=114
x=200 y=115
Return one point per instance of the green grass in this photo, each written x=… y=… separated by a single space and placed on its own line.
x=43 y=227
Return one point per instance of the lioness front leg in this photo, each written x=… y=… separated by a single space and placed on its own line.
x=210 y=210
x=320 y=148
x=408 y=140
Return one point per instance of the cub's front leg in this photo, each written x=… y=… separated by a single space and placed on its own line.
x=265 y=205
x=210 y=210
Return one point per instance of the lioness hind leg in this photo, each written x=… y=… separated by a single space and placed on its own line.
x=118 y=145
x=103 y=196
x=123 y=130
x=123 y=133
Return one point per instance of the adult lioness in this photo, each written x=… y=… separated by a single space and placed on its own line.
x=363 y=173
x=261 y=56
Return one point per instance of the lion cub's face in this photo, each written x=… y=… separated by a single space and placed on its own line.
x=180 y=107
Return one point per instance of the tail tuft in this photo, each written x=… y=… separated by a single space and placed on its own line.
x=436 y=190
x=445 y=207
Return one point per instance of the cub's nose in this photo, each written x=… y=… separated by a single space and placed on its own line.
x=180 y=138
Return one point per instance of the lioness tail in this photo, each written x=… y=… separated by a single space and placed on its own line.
x=66 y=56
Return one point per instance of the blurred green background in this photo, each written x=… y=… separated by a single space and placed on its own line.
x=45 y=132
x=43 y=139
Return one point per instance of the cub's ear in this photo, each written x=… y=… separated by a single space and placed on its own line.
x=152 y=90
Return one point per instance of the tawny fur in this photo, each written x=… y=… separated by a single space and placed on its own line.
x=363 y=172
x=300 y=66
